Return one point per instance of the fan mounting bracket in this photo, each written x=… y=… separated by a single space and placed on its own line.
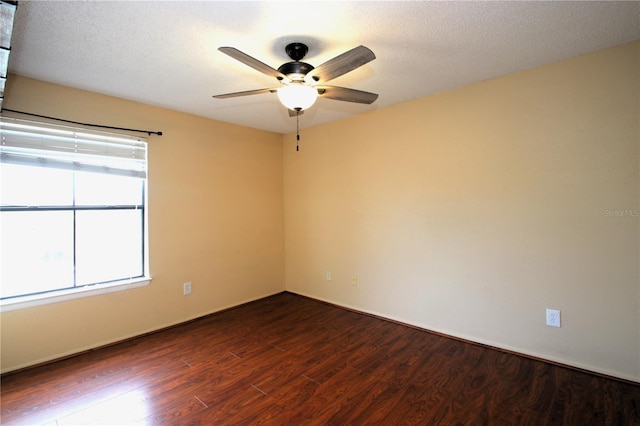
x=296 y=51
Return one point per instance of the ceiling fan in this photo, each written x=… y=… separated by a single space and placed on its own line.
x=301 y=83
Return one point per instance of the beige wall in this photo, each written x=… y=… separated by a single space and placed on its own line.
x=215 y=219
x=472 y=211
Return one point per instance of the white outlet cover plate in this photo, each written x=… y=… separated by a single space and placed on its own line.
x=553 y=318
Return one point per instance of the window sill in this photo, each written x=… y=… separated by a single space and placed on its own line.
x=64 y=295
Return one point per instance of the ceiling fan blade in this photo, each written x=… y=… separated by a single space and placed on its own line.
x=246 y=93
x=341 y=64
x=347 y=95
x=252 y=62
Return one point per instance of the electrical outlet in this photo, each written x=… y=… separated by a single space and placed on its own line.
x=354 y=280
x=328 y=276
x=553 y=318
x=186 y=288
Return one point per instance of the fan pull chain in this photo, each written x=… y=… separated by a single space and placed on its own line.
x=297 y=130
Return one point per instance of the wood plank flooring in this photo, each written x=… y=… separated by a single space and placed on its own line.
x=290 y=360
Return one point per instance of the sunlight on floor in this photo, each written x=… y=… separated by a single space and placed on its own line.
x=125 y=409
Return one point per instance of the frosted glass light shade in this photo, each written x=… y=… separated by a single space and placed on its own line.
x=297 y=96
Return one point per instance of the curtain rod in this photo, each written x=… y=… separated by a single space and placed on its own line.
x=149 y=132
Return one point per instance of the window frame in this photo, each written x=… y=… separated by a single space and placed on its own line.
x=85 y=290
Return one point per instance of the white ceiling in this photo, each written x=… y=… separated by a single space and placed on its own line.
x=165 y=53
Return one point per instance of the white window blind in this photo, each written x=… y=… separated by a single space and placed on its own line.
x=49 y=145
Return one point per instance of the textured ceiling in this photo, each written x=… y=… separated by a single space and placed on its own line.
x=165 y=53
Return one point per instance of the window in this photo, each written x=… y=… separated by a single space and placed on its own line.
x=72 y=212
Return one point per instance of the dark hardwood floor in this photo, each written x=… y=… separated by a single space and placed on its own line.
x=290 y=360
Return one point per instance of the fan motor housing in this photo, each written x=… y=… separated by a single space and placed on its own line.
x=295 y=69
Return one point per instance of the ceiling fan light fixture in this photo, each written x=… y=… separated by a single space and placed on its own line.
x=297 y=96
